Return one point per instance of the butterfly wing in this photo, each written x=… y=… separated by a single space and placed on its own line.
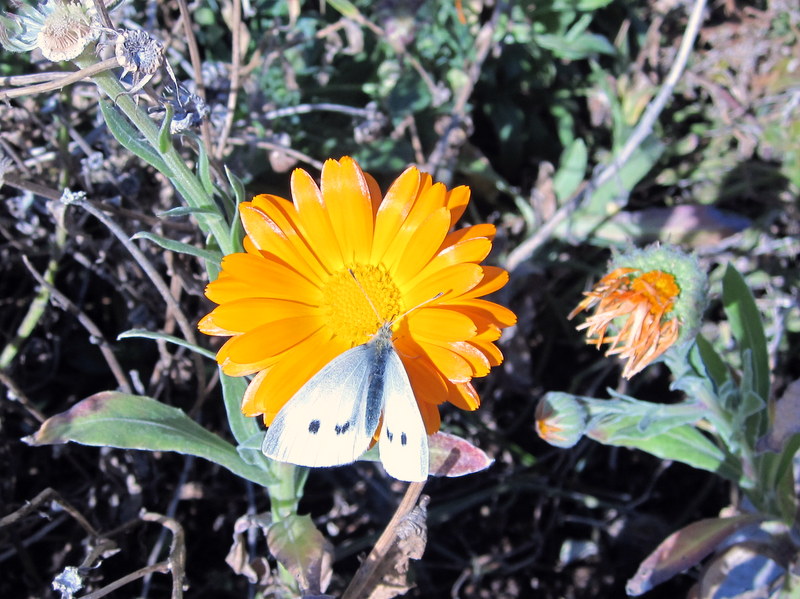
x=327 y=422
x=403 y=442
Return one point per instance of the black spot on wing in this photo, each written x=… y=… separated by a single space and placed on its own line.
x=342 y=428
x=313 y=427
x=389 y=434
x=403 y=439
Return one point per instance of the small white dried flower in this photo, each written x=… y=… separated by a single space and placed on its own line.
x=61 y=29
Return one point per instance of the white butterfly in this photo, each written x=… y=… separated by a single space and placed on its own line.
x=332 y=419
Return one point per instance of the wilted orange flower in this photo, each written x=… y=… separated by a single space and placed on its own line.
x=315 y=272
x=640 y=306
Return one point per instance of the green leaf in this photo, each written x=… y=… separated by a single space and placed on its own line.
x=179 y=247
x=582 y=46
x=204 y=170
x=571 y=169
x=628 y=176
x=683 y=444
x=684 y=549
x=236 y=185
x=188 y=210
x=346 y=8
x=113 y=419
x=165 y=134
x=712 y=362
x=126 y=134
x=243 y=427
x=300 y=548
x=746 y=324
x=145 y=334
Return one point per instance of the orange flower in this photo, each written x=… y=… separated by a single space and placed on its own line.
x=315 y=272
x=643 y=302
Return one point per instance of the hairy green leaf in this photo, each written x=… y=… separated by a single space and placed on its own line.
x=126 y=134
x=179 y=247
x=746 y=324
x=113 y=419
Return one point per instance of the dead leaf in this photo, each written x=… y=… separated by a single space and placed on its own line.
x=256 y=570
x=684 y=549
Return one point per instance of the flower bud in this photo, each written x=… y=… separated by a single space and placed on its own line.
x=561 y=419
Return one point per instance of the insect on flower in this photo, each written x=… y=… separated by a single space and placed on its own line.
x=292 y=306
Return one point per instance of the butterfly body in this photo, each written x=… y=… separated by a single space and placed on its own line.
x=333 y=418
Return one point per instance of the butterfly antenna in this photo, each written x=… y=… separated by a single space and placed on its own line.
x=374 y=309
x=366 y=295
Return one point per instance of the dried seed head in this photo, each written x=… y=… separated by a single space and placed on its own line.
x=138 y=53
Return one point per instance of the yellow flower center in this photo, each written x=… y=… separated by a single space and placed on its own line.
x=358 y=300
x=659 y=288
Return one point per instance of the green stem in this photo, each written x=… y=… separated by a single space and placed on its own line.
x=286 y=490
x=185 y=181
x=38 y=305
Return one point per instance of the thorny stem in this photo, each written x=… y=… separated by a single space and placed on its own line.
x=355 y=590
x=643 y=128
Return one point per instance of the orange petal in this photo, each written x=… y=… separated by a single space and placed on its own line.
x=481 y=310
x=349 y=205
x=314 y=220
x=243 y=315
x=430 y=416
x=471 y=250
x=452 y=282
x=464 y=396
x=296 y=366
x=271 y=232
x=413 y=250
x=393 y=211
x=457 y=200
x=450 y=363
x=271 y=339
x=245 y=275
x=473 y=232
x=439 y=324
